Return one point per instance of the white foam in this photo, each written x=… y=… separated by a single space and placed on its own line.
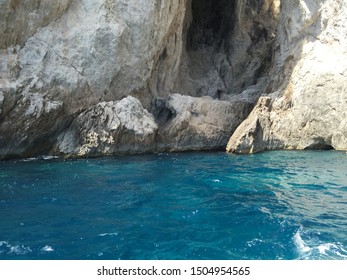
x=47 y=249
x=216 y=181
x=317 y=249
x=326 y=247
x=48 y=157
x=299 y=243
x=44 y=157
x=19 y=250
x=108 y=234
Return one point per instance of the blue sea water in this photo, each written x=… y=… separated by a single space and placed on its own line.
x=274 y=205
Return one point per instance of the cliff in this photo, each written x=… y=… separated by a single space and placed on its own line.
x=304 y=106
x=88 y=78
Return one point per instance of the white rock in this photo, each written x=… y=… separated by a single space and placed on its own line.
x=200 y=123
x=110 y=128
x=308 y=110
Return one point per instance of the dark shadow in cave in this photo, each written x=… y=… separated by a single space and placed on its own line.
x=211 y=25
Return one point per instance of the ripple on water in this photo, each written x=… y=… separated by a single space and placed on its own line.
x=276 y=205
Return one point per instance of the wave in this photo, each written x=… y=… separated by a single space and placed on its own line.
x=108 y=234
x=8 y=249
x=47 y=248
x=315 y=249
x=41 y=158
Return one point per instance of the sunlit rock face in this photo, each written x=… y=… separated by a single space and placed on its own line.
x=191 y=71
x=305 y=103
x=60 y=61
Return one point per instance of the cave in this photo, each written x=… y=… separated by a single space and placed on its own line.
x=212 y=23
x=320 y=145
x=228 y=46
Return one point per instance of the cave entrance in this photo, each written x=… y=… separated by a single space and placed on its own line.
x=228 y=46
x=211 y=24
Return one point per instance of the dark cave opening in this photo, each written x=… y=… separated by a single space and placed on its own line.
x=211 y=24
x=320 y=146
x=228 y=47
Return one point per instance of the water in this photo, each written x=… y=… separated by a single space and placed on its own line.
x=274 y=205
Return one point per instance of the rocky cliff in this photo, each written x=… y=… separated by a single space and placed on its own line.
x=88 y=78
x=304 y=106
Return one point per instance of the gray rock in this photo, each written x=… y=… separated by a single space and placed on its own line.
x=110 y=128
x=306 y=105
x=62 y=61
x=199 y=123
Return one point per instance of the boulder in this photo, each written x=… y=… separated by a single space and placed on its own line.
x=121 y=127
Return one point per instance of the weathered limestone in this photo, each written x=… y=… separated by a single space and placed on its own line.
x=307 y=105
x=61 y=61
x=110 y=128
x=190 y=123
x=72 y=55
x=67 y=67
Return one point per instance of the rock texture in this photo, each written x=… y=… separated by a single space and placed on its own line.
x=67 y=67
x=190 y=123
x=110 y=127
x=88 y=77
x=305 y=107
x=59 y=60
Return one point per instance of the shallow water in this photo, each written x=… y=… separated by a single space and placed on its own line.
x=274 y=205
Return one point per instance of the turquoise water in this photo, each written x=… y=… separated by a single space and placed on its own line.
x=274 y=205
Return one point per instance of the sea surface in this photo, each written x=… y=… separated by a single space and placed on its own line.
x=268 y=206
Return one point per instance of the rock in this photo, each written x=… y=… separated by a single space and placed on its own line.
x=110 y=128
x=125 y=127
x=306 y=104
x=57 y=60
x=21 y=19
x=61 y=61
x=191 y=123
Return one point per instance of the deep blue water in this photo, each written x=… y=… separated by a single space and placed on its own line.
x=274 y=205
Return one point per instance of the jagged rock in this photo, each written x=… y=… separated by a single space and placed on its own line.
x=190 y=123
x=60 y=60
x=110 y=128
x=307 y=105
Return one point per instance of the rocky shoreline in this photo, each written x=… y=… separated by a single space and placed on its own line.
x=90 y=78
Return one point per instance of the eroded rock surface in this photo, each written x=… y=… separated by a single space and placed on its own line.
x=67 y=67
x=306 y=107
x=72 y=55
x=110 y=128
x=191 y=123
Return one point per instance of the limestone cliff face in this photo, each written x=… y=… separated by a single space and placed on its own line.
x=67 y=67
x=305 y=104
x=88 y=77
x=59 y=60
